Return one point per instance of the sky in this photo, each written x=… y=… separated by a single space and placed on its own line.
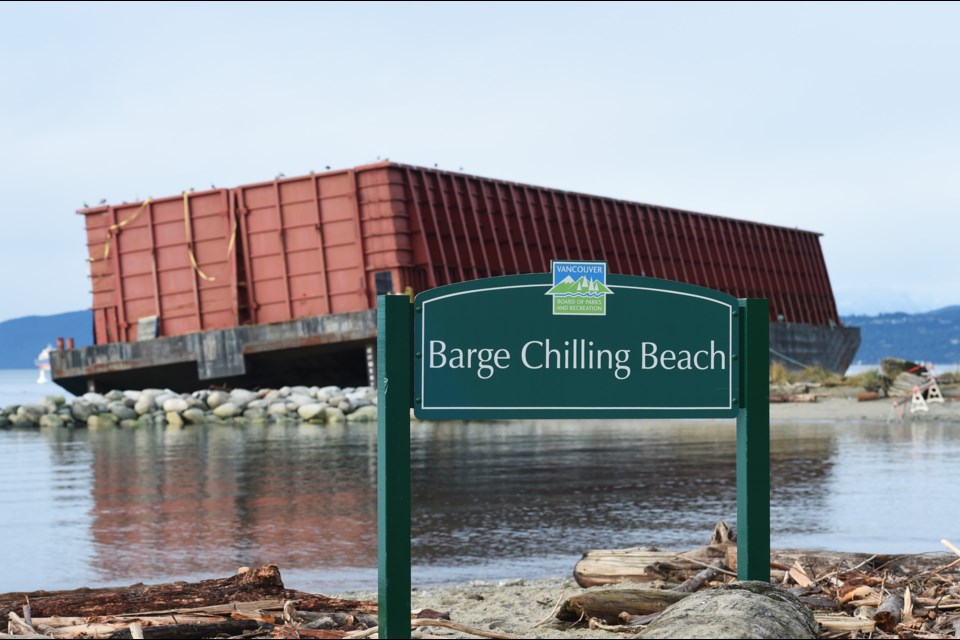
x=836 y=118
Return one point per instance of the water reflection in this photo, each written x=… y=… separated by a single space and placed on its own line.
x=490 y=500
x=200 y=502
x=45 y=483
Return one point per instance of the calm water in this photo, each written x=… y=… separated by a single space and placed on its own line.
x=491 y=501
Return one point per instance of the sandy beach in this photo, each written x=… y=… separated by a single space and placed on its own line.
x=516 y=607
x=843 y=406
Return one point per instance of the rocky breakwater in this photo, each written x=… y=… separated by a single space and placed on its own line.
x=318 y=405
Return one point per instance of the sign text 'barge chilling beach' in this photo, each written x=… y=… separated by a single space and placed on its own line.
x=575 y=343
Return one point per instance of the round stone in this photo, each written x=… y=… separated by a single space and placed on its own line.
x=277 y=409
x=308 y=411
x=300 y=399
x=176 y=404
x=194 y=415
x=363 y=414
x=81 y=410
x=144 y=405
x=226 y=410
x=122 y=411
x=217 y=398
x=52 y=421
x=94 y=398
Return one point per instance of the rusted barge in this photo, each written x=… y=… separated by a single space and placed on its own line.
x=276 y=282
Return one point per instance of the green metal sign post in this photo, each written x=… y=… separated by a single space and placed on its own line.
x=394 y=351
x=572 y=344
x=753 y=443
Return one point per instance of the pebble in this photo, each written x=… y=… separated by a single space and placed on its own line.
x=122 y=411
x=160 y=398
x=325 y=393
x=309 y=411
x=226 y=410
x=217 y=398
x=277 y=409
x=51 y=421
x=144 y=404
x=194 y=415
x=363 y=414
x=133 y=409
x=102 y=420
x=299 y=399
x=242 y=397
x=82 y=410
x=31 y=412
x=254 y=413
x=175 y=405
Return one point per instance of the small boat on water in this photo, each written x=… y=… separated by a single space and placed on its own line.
x=43 y=364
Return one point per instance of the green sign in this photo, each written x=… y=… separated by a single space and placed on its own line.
x=575 y=345
x=571 y=344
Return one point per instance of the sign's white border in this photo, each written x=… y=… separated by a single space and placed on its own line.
x=423 y=362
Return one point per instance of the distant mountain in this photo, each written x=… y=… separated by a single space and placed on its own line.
x=931 y=337
x=21 y=339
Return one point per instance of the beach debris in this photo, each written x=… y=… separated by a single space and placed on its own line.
x=889 y=612
x=852 y=595
x=904 y=384
x=252 y=604
x=796 y=397
x=792 y=392
x=893 y=367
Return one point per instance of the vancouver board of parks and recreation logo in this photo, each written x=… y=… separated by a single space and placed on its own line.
x=579 y=288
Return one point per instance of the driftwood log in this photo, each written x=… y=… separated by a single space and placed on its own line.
x=737 y=610
x=598 y=568
x=263 y=583
x=602 y=567
x=608 y=605
x=190 y=631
